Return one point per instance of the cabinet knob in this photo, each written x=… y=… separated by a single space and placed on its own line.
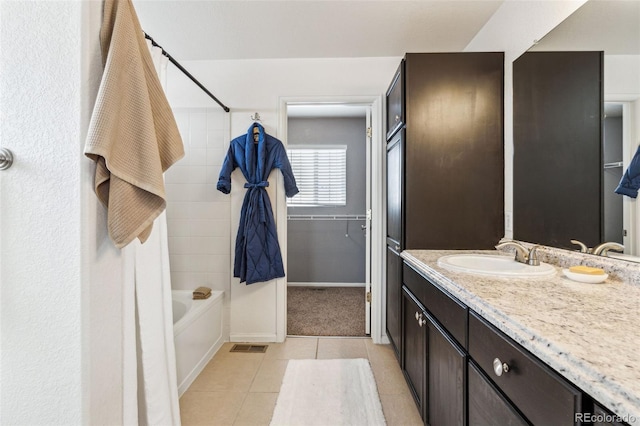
x=500 y=367
x=397 y=118
x=397 y=247
x=420 y=320
x=6 y=158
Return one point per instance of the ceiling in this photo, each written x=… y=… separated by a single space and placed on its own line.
x=268 y=29
x=220 y=30
x=608 y=25
x=284 y=29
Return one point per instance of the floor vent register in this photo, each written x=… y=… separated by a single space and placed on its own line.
x=250 y=349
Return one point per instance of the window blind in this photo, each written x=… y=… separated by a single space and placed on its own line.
x=321 y=175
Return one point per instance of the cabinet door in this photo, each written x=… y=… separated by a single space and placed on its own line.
x=395 y=102
x=446 y=379
x=394 y=191
x=559 y=200
x=487 y=407
x=394 y=297
x=414 y=348
x=454 y=151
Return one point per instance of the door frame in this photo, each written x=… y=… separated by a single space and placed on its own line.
x=377 y=211
x=630 y=212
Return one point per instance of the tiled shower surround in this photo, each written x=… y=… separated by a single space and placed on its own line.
x=199 y=216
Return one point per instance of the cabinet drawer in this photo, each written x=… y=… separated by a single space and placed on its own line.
x=414 y=282
x=540 y=394
x=450 y=313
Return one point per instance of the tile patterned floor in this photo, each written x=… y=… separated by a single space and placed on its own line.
x=242 y=388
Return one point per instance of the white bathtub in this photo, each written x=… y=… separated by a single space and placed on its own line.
x=197 y=331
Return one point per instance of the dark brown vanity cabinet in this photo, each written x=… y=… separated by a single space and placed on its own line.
x=463 y=371
x=445 y=161
x=451 y=178
x=434 y=363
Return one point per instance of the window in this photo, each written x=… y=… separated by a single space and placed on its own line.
x=321 y=175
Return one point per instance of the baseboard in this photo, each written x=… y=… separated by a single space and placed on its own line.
x=253 y=338
x=305 y=284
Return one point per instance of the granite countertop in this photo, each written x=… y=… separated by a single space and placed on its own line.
x=586 y=332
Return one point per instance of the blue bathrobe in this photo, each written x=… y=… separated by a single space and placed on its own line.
x=630 y=182
x=257 y=254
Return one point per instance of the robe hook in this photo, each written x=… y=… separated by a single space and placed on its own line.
x=255 y=117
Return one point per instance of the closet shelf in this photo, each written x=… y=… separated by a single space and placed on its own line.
x=326 y=217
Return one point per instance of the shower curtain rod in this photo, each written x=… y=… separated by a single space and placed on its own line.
x=187 y=73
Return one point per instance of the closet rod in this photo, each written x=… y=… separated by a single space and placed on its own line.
x=326 y=217
x=187 y=73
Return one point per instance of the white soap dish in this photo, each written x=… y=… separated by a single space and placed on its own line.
x=585 y=278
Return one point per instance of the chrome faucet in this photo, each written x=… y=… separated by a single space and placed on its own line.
x=599 y=250
x=583 y=246
x=602 y=249
x=529 y=257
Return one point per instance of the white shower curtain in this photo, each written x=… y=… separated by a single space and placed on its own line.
x=149 y=345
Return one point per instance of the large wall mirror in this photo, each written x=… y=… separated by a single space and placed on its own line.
x=603 y=37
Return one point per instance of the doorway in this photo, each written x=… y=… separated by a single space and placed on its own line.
x=613 y=169
x=620 y=212
x=328 y=222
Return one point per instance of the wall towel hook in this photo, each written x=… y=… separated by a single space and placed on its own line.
x=255 y=117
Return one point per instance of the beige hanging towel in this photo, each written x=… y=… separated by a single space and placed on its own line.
x=133 y=136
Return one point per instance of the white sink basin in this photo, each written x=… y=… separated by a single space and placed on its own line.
x=494 y=265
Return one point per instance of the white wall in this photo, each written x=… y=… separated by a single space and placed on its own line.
x=60 y=331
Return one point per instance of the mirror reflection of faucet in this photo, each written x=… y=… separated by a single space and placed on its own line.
x=529 y=257
x=601 y=249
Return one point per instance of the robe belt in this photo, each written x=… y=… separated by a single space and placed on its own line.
x=262 y=184
x=255 y=197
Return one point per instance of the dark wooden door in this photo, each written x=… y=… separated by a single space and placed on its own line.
x=394 y=297
x=414 y=349
x=557 y=137
x=487 y=407
x=446 y=379
x=395 y=161
x=395 y=102
x=454 y=176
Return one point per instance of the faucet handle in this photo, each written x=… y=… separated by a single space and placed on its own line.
x=583 y=246
x=532 y=258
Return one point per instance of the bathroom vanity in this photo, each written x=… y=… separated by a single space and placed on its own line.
x=445 y=159
x=482 y=350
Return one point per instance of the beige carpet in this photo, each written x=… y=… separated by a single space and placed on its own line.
x=328 y=392
x=325 y=311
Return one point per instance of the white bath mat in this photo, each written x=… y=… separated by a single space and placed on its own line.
x=328 y=392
